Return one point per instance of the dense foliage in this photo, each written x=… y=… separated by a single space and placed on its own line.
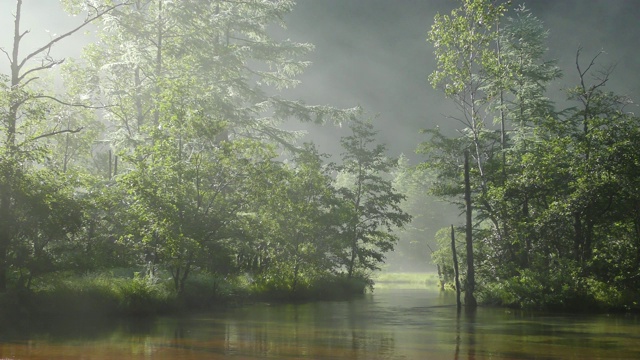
x=163 y=154
x=555 y=214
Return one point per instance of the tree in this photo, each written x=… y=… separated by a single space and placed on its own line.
x=188 y=206
x=47 y=216
x=371 y=204
x=25 y=123
x=213 y=59
x=521 y=81
x=464 y=53
x=549 y=211
x=298 y=219
x=494 y=71
x=185 y=83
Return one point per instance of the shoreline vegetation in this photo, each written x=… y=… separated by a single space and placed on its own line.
x=127 y=293
x=584 y=296
x=131 y=293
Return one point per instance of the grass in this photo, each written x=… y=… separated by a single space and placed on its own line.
x=100 y=294
x=406 y=280
x=126 y=292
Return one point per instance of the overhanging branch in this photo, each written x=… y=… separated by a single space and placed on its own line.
x=70 y=104
x=87 y=21
x=53 y=133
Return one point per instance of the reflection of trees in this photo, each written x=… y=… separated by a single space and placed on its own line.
x=342 y=331
x=366 y=341
x=356 y=330
x=466 y=332
x=457 y=353
x=470 y=323
x=369 y=344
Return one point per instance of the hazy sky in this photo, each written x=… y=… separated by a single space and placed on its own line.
x=373 y=53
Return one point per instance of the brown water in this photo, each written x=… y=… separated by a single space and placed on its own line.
x=389 y=324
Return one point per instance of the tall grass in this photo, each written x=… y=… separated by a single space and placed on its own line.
x=127 y=292
x=100 y=295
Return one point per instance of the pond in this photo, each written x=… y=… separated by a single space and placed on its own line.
x=388 y=324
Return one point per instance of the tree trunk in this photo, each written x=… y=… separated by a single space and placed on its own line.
x=3 y=262
x=469 y=299
x=455 y=268
x=352 y=261
x=578 y=237
x=6 y=186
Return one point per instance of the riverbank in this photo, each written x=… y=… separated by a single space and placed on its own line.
x=126 y=293
x=586 y=296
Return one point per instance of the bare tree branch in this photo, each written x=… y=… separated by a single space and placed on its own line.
x=53 y=133
x=42 y=67
x=86 y=22
x=593 y=61
x=6 y=54
x=70 y=104
x=24 y=84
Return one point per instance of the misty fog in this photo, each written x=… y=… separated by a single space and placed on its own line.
x=373 y=53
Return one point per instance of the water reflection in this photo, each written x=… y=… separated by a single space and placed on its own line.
x=391 y=324
x=466 y=331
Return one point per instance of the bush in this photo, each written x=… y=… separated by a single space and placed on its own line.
x=339 y=287
x=203 y=291
x=103 y=294
x=78 y=295
x=563 y=289
x=143 y=295
x=100 y=295
x=325 y=287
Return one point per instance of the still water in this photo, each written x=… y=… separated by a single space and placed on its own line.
x=388 y=324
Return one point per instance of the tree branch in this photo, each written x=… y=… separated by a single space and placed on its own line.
x=53 y=133
x=70 y=104
x=86 y=22
x=51 y=64
x=6 y=54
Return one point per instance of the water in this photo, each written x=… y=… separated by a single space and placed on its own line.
x=389 y=324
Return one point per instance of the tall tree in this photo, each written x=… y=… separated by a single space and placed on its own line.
x=25 y=123
x=372 y=204
x=463 y=47
x=494 y=70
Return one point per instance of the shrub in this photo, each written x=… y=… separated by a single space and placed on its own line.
x=337 y=287
x=143 y=295
x=100 y=295
x=203 y=291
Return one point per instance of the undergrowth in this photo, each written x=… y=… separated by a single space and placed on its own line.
x=126 y=292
